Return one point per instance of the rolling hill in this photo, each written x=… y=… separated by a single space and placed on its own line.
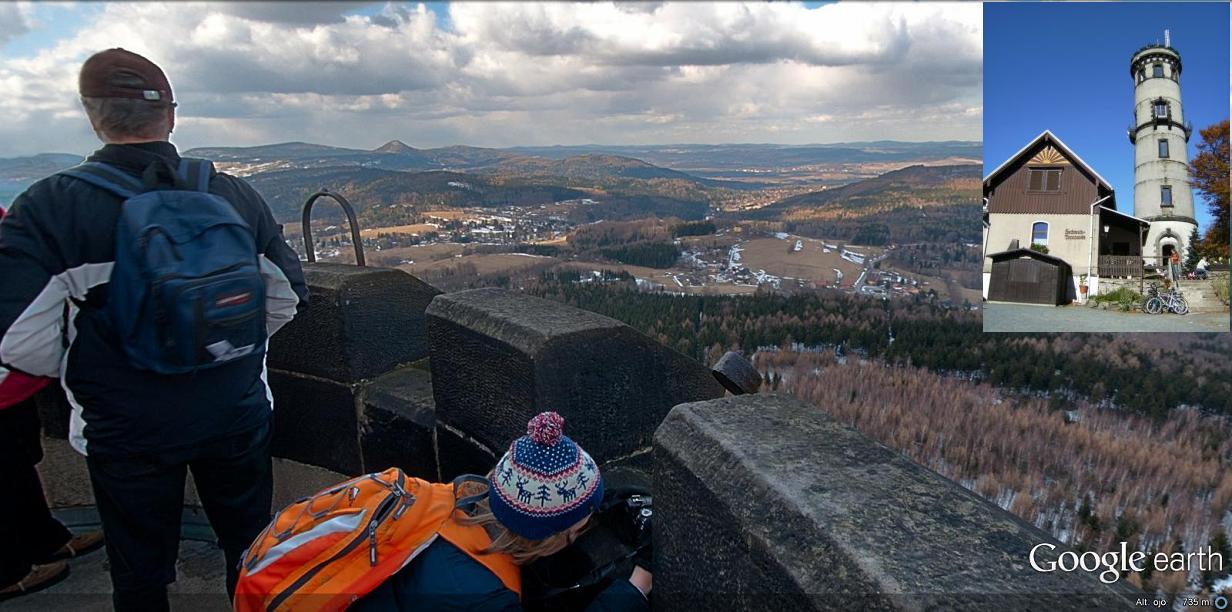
x=875 y=190
x=913 y=204
x=365 y=188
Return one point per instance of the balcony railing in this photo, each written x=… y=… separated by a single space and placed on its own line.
x=1120 y=266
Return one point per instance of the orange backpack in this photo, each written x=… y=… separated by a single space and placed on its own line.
x=325 y=551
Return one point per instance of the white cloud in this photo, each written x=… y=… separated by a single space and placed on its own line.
x=526 y=73
x=17 y=19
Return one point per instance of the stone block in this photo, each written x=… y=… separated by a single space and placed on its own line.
x=460 y=454
x=500 y=357
x=316 y=422
x=398 y=423
x=764 y=502
x=360 y=323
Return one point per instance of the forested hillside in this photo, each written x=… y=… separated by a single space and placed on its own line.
x=914 y=204
x=1130 y=373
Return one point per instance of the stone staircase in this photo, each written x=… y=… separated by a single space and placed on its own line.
x=1201 y=296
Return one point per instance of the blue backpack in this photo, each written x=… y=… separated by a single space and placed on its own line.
x=186 y=292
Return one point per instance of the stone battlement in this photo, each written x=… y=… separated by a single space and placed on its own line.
x=762 y=501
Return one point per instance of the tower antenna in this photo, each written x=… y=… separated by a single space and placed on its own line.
x=1167 y=39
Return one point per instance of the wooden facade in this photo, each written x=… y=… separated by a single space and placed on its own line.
x=1011 y=188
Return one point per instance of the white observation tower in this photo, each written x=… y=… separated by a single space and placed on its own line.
x=1162 y=192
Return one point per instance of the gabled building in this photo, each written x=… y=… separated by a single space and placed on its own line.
x=1047 y=198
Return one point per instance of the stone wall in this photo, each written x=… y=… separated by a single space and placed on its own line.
x=764 y=502
x=500 y=357
x=354 y=391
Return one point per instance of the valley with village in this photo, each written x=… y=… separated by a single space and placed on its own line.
x=727 y=230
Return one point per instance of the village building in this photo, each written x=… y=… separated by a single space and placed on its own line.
x=1045 y=203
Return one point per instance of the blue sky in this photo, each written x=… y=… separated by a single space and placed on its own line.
x=1065 y=67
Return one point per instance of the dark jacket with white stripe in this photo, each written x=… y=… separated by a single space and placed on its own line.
x=56 y=252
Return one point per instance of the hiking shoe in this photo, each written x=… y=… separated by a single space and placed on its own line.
x=80 y=544
x=39 y=578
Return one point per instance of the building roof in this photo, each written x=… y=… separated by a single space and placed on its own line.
x=1126 y=215
x=1016 y=253
x=1052 y=138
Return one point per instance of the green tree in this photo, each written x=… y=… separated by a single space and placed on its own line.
x=1196 y=250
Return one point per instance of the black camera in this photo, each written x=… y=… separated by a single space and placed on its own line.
x=637 y=511
x=619 y=539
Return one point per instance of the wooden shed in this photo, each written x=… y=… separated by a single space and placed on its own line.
x=1023 y=275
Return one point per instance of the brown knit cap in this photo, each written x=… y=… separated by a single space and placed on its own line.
x=116 y=73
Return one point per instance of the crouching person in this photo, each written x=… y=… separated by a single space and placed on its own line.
x=390 y=542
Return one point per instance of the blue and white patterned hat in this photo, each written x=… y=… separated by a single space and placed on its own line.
x=545 y=483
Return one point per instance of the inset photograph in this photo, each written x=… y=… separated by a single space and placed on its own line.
x=1106 y=167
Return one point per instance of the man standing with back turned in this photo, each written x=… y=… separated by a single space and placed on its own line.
x=174 y=275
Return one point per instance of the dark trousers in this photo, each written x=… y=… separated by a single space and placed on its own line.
x=28 y=532
x=140 y=499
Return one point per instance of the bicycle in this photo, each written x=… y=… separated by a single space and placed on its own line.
x=1151 y=303
x=1174 y=301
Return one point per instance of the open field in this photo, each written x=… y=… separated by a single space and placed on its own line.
x=811 y=263
x=484 y=264
x=946 y=288
x=418 y=228
x=448 y=214
x=419 y=254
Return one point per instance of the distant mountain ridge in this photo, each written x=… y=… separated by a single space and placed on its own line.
x=690 y=157
x=35 y=167
x=673 y=160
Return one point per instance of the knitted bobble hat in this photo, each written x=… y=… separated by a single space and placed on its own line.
x=545 y=483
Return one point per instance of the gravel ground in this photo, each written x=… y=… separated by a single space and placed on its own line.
x=1001 y=317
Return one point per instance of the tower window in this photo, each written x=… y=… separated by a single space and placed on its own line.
x=1039 y=233
x=1044 y=179
x=1141 y=76
x=1161 y=109
x=1165 y=195
x=1157 y=70
x=1163 y=147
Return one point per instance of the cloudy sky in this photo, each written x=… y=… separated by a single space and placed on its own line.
x=359 y=74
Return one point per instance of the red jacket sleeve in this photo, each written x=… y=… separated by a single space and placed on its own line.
x=16 y=387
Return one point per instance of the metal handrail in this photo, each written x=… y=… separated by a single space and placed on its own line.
x=350 y=214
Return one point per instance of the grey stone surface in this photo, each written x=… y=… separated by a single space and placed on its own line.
x=736 y=374
x=360 y=323
x=316 y=421
x=460 y=454
x=764 y=502
x=398 y=423
x=499 y=357
x=1003 y=317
